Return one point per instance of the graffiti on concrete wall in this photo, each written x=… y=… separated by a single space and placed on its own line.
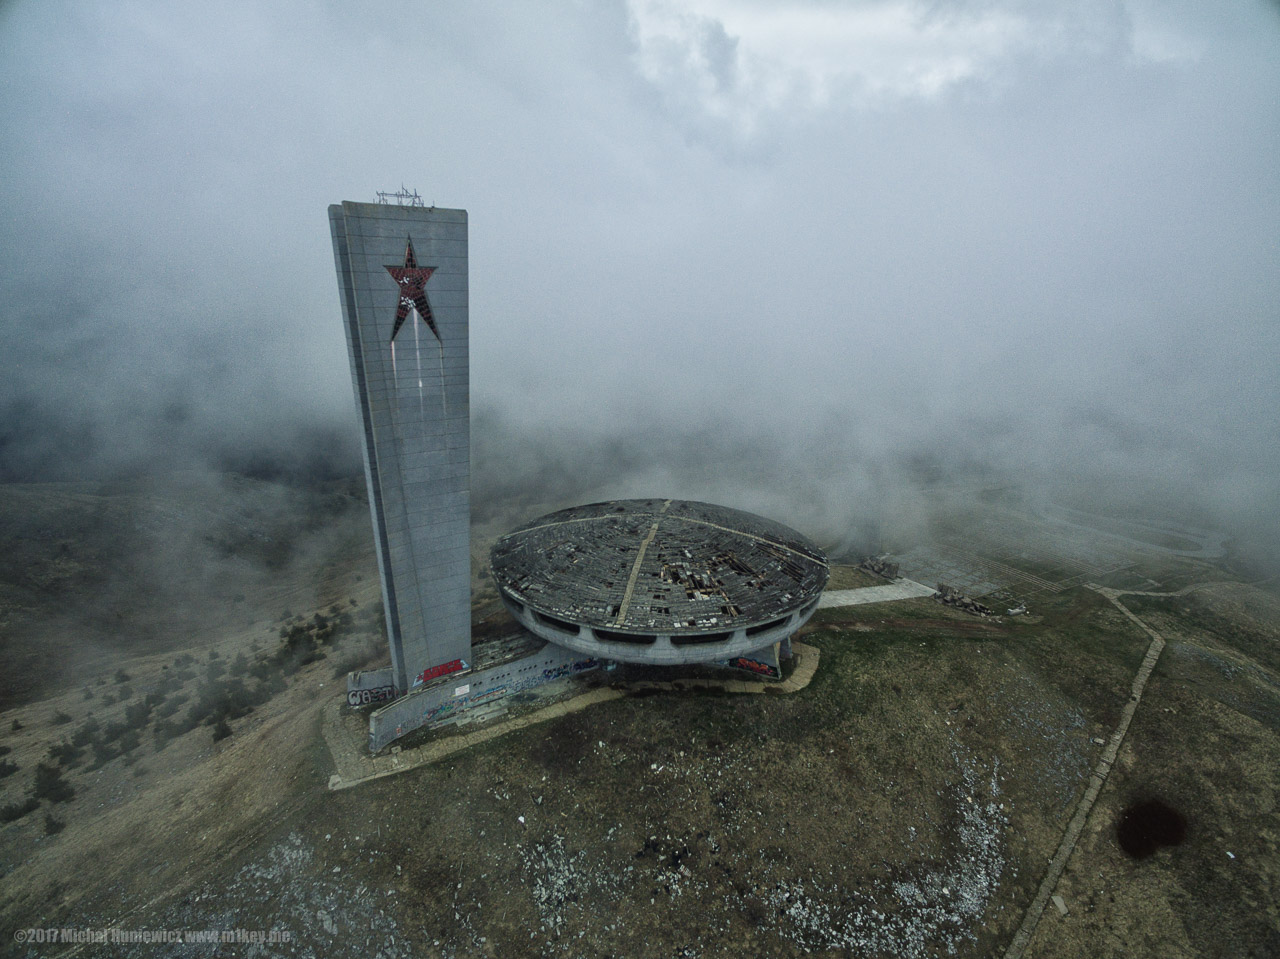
x=755 y=666
x=480 y=697
x=368 y=697
x=367 y=687
x=437 y=709
x=434 y=672
x=567 y=669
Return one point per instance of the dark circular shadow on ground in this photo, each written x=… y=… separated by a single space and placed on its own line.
x=1146 y=826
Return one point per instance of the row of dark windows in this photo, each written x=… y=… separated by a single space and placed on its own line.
x=701 y=638
x=560 y=624
x=613 y=636
x=644 y=639
x=765 y=627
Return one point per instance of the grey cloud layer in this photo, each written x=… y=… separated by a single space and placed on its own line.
x=1066 y=267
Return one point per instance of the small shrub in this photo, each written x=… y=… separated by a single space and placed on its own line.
x=16 y=810
x=170 y=706
x=50 y=785
x=103 y=753
x=112 y=731
x=16 y=726
x=122 y=677
x=53 y=826
x=136 y=715
x=5 y=750
x=65 y=754
x=84 y=735
x=186 y=659
x=221 y=730
x=88 y=693
x=60 y=718
x=163 y=732
x=7 y=768
x=126 y=692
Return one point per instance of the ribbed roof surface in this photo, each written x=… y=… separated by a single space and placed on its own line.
x=659 y=566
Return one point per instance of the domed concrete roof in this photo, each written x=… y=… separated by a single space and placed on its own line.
x=630 y=569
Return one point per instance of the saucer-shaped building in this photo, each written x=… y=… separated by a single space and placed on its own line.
x=661 y=582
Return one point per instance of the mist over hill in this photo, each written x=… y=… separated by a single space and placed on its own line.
x=789 y=257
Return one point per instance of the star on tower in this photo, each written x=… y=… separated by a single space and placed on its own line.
x=412 y=280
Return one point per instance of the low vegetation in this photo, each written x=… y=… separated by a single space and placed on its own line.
x=14 y=811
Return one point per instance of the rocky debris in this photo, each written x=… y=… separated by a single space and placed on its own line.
x=880 y=566
x=953 y=597
x=589 y=884
x=322 y=914
x=1052 y=738
x=920 y=907
x=559 y=881
x=923 y=912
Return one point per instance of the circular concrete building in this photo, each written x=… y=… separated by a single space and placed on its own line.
x=662 y=582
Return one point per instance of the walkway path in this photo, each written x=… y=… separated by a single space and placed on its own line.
x=1022 y=938
x=898 y=589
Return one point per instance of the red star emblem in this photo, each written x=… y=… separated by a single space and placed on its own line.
x=412 y=280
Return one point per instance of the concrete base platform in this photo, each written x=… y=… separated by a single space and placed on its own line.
x=890 y=592
x=346 y=732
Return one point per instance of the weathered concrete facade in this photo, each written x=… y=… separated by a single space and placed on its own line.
x=402 y=277
x=662 y=649
x=443 y=700
x=660 y=582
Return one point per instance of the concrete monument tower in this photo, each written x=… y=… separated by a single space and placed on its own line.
x=402 y=277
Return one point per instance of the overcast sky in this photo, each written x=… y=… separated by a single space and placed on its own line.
x=1042 y=234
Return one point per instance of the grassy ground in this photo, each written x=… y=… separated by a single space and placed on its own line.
x=852 y=577
x=1204 y=743
x=904 y=804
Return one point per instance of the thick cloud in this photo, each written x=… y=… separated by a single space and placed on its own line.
x=1009 y=236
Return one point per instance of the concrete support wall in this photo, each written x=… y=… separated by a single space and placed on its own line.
x=443 y=701
x=763 y=663
x=369 y=686
x=413 y=397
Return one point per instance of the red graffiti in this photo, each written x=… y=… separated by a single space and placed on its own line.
x=756 y=667
x=432 y=672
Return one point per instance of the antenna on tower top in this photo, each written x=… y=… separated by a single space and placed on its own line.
x=401 y=197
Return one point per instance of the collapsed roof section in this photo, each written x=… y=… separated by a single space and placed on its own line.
x=668 y=567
